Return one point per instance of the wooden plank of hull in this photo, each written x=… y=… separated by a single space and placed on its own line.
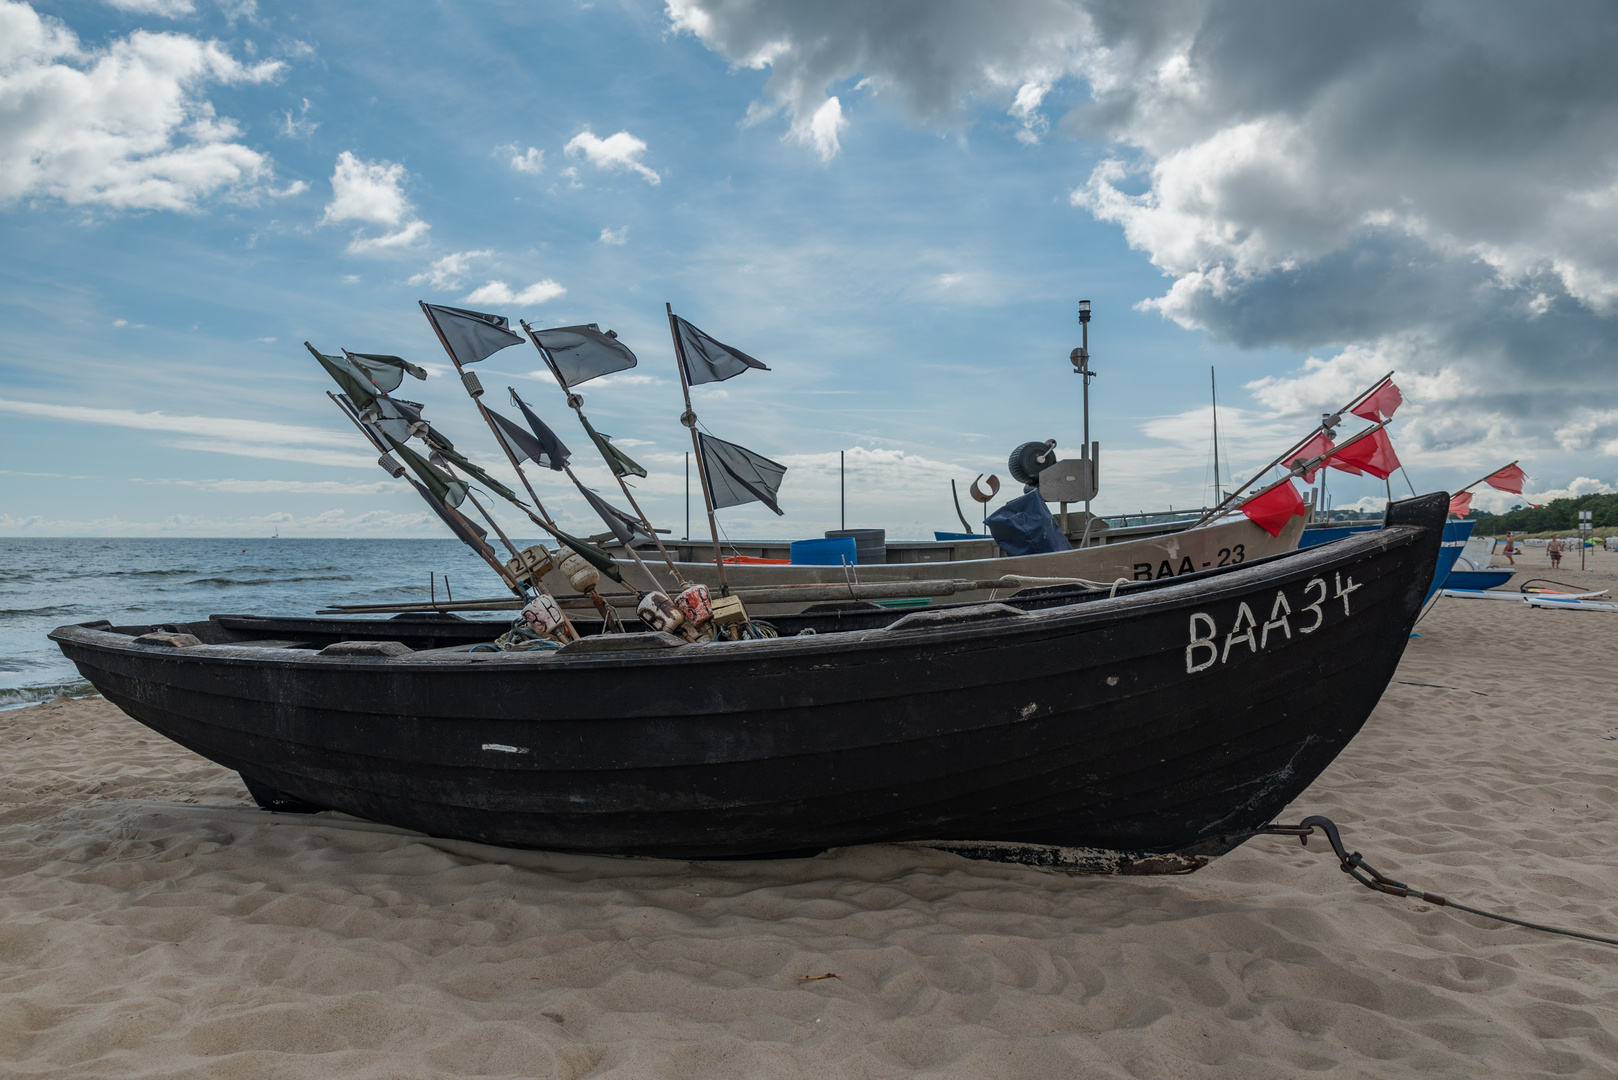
x=1168 y=555
x=1076 y=728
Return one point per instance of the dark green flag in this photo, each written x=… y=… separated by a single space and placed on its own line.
x=359 y=388
x=386 y=371
x=619 y=462
x=482 y=477
x=439 y=482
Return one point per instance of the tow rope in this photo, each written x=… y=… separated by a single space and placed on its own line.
x=1352 y=864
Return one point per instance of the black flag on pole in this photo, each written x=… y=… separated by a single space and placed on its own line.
x=552 y=453
x=736 y=475
x=524 y=446
x=400 y=419
x=442 y=454
x=626 y=527
x=387 y=372
x=464 y=528
x=706 y=360
x=472 y=335
x=582 y=353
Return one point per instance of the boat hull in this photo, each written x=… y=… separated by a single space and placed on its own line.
x=1456 y=534
x=1153 y=730
x=1477 y=579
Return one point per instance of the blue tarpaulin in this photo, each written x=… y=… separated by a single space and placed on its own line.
x=1024 y=526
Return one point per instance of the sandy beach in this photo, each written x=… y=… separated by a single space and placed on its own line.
x=154 y=923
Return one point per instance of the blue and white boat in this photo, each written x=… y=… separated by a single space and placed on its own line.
x=1472 y=569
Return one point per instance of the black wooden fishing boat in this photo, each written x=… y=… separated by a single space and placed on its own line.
x=1144 y=732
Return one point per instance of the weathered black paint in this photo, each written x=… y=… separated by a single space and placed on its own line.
x=1077 y=725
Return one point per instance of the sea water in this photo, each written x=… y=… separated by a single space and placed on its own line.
x=46 y=583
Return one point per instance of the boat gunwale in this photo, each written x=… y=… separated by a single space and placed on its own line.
x=1214 y=585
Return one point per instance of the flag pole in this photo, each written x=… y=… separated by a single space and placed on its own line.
x=689 y=419
x=627 y=547
x=576 y=401
x=1329 y=421
x=487 y=419
x=1301 y=467
x=1480 y=479
x=505 y=575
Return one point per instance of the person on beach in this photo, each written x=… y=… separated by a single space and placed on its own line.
x=1511 y=549
x=1554 y=550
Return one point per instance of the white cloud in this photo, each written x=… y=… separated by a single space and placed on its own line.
x=445 y=273
x=616 y=378
x=283 y=487
x=123 y=126
x=615 y=152
x=299 y=126
x=369 y=191
x=498 y=292
x=306 y=455
x=212 y=434
x=1025 y=107
x=172 y=9
x=530 y=161
x=1583 y=485
x=933 y=55
x=614 y=236
x=821 y=129
x=373 y=192
x=401 y=238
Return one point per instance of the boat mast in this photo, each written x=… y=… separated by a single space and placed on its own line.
x=576 y=402
x=1081 y=362
x=1213 y=384
x=689 y=419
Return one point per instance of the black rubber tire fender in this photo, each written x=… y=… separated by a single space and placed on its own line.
x=1022 y=464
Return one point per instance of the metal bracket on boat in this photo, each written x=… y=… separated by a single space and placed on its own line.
x=1351 y=863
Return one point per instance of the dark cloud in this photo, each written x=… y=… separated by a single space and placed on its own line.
x=1429 y=185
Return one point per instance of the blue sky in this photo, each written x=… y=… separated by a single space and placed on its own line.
x=895 y=206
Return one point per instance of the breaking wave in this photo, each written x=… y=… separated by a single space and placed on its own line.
x=13 y=696
x=225 y=582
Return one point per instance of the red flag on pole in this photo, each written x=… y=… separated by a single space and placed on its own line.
x=1338 y=463
x=1461 y=504
x=1509 y=479
x=1373 y=454
x=1272 y=510
x=1381 y=403
x=1310 y=450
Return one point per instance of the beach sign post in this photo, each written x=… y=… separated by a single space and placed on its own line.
x=1585 y=525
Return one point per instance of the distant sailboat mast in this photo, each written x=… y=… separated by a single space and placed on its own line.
x=1219 y=491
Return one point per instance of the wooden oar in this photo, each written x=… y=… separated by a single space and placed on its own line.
x=778 y=594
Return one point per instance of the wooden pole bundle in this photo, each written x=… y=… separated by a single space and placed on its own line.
x=777 y=594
